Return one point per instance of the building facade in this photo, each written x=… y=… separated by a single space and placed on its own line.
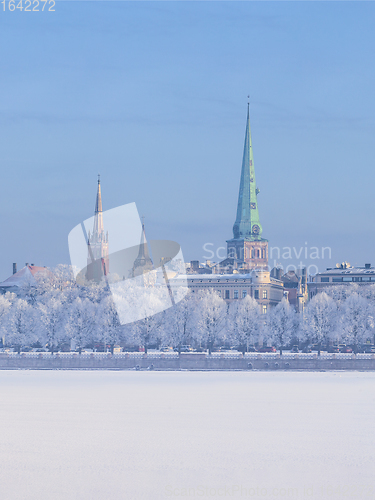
x=342 y=275
x=259 y=284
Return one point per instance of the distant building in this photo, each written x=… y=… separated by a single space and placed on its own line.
x=25 y=276
x=97 y=244
x=295 y=286
x=343 y=274
x=195 y=267
x=260 y=285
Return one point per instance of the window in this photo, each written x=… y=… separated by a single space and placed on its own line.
x=227 y=294
x=244 y=293
x=264 y=309
x=347 y=278
x=264 y=294
x=256 y=294
x=337 y=280
x=324 y=280
x=236 y=294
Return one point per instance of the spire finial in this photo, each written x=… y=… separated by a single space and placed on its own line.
x=143 y=220
x=98 y=205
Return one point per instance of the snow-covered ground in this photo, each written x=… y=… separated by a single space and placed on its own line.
x=158 y=435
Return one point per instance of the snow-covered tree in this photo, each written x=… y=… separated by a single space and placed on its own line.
x=147 y=330
x=81 y=322
x=178 y=323
x=19 y=324
x=320 y=320
x=244 y=322
x=281 y=324
x=106 y=322
x=356 y=321
x=210 y=318
x=5 y=303
x=53 y=319
x=340 y=293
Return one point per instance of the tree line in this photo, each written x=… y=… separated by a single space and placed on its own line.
x=60 y=312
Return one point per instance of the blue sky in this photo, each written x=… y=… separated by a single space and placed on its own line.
x=153 y=96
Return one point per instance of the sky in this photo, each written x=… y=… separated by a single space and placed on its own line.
x=153 y=96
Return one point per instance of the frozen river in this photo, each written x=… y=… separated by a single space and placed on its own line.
x=159 y=435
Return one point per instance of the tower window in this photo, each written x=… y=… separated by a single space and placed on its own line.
x=256 y=294
x=264 y=294
x=227 y=294
x=236 y=294
x=264 y=309
x=244 y=293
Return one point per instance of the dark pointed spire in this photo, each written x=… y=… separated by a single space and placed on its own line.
x=143 y=262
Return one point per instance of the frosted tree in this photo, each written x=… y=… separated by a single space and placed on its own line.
x=19 y=323
x=146 y=331
x=149 y=303
x=244 y=322
x=210 y=318
x=5 y=303
x=341 y=292
x=53 y=318
x=81 y=322
x=356 y=320
x=320 y=320
x=107 y=324
x=178 y=324
x=281 y=324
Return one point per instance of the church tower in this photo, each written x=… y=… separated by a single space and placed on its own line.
x=97 y=260
x=143 y=263
x=247 y=244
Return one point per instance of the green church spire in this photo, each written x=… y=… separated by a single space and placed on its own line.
x=247 y=225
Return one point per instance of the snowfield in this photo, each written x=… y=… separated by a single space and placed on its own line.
x=157 y=435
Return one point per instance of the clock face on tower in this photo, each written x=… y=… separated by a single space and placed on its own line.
x=255 y=229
